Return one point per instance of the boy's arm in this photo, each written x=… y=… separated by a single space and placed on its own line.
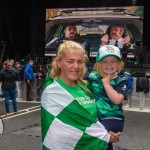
x=113 y=95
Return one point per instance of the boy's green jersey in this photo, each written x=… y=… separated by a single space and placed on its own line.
x=105 y=107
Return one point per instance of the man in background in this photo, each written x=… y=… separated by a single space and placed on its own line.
x=19 y=83
x=29 y=77
x=70 y=33
x=115 y=37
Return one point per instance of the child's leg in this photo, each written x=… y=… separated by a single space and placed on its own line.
x=114 y=125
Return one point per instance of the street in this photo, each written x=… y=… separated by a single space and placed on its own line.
x=22 y=130
x=136 y=134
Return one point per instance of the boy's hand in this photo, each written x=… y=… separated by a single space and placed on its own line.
x=106 y=79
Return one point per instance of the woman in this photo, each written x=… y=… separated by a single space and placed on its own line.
x=68 y=112
x=8 y=76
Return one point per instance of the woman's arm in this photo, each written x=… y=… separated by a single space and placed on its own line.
x=114 y=137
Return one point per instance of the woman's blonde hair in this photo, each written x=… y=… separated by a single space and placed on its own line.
x=66 y=45
x=98 y=67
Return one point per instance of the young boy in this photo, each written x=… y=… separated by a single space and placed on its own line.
x=108 y=89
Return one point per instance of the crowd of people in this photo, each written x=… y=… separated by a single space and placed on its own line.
x=13 y=77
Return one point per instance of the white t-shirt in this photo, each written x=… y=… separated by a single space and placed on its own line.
x=120 y=42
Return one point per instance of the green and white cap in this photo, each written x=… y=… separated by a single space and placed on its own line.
x=108 y=50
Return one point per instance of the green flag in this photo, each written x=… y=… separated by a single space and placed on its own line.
x=66 y=125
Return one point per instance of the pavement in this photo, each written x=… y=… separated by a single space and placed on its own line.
x=21 y=130
x=136 y=134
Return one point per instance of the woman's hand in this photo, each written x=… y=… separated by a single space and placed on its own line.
x=114 y=137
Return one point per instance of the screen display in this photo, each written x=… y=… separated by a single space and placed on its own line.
x=92 y=24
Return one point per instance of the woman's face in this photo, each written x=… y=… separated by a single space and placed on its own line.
x=110 y=65
x=71 y=66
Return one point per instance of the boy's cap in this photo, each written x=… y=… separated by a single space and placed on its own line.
x=108 y=50
x=127 y=72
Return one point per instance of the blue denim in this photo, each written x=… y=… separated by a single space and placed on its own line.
x=10 y=94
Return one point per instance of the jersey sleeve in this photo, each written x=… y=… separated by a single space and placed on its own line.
x=122 y=88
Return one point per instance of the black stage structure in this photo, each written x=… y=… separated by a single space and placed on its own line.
x=22 y=22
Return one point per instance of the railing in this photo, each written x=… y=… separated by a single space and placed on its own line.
x=140 y=100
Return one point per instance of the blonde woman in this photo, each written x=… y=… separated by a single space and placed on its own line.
x=68 y=111
x=108 y=89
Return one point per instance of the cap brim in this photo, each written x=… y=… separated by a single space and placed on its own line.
x=100 y=58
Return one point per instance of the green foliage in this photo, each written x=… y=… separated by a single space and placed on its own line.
x=139 y=11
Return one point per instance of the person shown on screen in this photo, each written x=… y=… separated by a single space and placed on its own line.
x=115 y=37
x=70 y=33
x=109 y=90
x=68 y=109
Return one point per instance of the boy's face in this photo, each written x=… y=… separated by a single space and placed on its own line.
x=110 y=65
x=31 y=63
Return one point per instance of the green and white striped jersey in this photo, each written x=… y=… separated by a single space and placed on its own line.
x=105 y=107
